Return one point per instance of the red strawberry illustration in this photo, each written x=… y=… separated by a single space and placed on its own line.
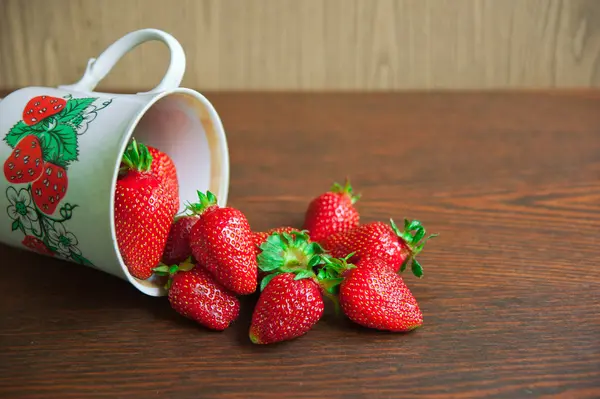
x=50 y=188
x=25 y=163
x=41 y=107
x=37 y=245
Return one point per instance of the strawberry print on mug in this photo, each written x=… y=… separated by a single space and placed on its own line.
x=45 y=143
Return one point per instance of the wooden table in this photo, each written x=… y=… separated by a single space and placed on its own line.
x=511 y=293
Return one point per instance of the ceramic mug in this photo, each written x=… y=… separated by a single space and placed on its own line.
x=62 y=148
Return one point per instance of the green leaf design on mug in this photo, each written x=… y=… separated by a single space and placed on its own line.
x=17 y=132
x=60 y=145
x=81 y=259
x=73 y=109
x=77 y=120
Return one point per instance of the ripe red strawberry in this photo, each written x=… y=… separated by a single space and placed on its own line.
x=196 y=295
x=291 y=301
x=37 y=245
x=222 y=241
x=378 y=240
x=332 y=212
x=143 y=213
x=50 y=188
x=164 y=169
x=178 y=247
x=286 y=309
x=25 y=163
x=373 y=296
x=41 y=107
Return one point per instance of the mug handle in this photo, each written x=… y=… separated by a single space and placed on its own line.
x=98 y=68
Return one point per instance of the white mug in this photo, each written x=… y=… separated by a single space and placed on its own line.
x=62 y=149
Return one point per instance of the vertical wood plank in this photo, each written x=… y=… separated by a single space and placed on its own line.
x=311 y=44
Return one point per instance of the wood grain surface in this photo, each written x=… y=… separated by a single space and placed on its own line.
x=511 y=292
x=311 y=44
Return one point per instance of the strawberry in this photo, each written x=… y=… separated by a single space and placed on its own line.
x=221 y=240
x=379 y=240
x=291 y=299
x=164 y=169
x=374 y=296
x=286 y=309
x=196 y=295
x=42 y=107
x=178 y=247
x=50 y=188
x=332 y=212
x=25 y=163
x=37 y=245
x=142 y=212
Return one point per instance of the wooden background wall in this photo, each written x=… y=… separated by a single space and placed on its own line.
x=311 y=44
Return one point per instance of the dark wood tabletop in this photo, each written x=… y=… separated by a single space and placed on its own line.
x=510 y=296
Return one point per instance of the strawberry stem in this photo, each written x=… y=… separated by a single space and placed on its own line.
x=413 y=236
x=136 y=157
x=345 y=189
x=333 y=271
x=331 y=275
x=205 y=201
x=170 y=271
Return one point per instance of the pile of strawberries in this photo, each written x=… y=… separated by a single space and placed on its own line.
x=209 y=256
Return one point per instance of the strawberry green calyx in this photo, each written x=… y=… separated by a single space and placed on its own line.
x=413 y=236
x=345 y=189
x=170 y=271
x=289 y=253
x=205 y=201
x=331 y=275
x=136 y=157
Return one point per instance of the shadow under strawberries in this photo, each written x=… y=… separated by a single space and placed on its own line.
x=81 y=297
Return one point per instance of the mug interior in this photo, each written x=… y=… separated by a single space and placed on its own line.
x=185 y=126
